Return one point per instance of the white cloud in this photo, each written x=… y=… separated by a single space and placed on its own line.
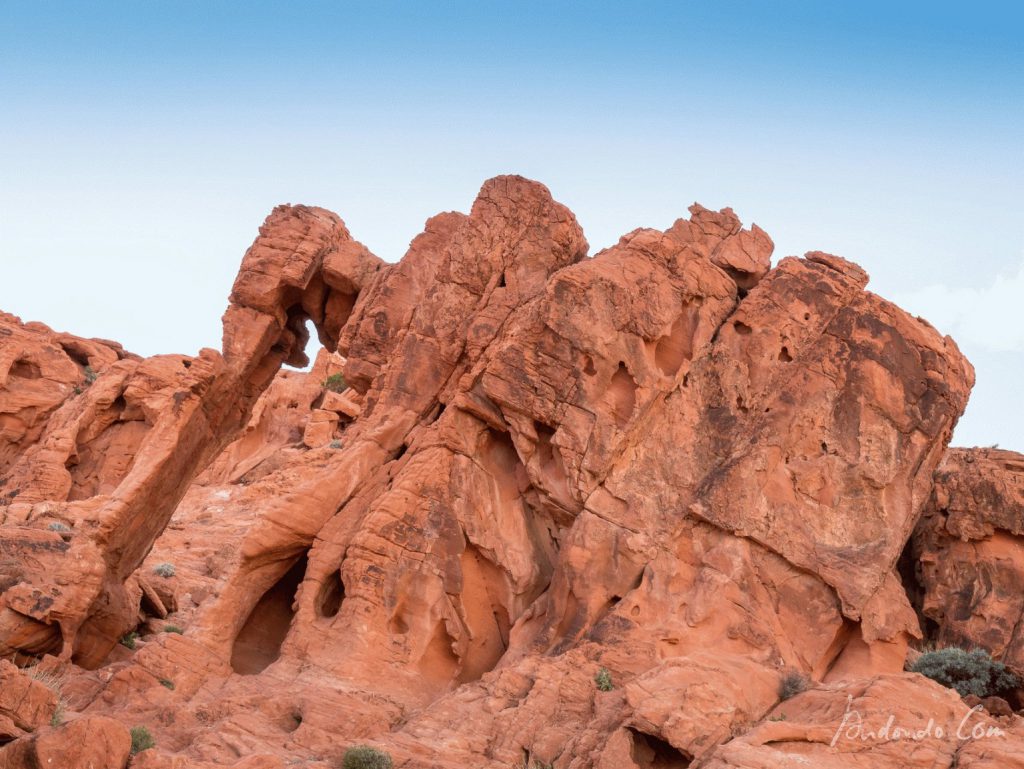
x=991 y=317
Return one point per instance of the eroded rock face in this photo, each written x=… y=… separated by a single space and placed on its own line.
x=668 y=461
x=969 y=553
x=87 y=499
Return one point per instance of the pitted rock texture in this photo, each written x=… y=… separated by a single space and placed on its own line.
x=669 y=463
x=969 y=553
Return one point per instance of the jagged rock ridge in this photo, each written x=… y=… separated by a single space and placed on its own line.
x=669 y=460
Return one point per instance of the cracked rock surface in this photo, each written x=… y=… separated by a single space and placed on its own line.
x=511 y=467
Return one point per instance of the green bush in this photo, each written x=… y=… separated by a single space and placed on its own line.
x=128 y=639
x=791 y=685
x=603 y=679
x=90 y=375
x=58 y=526
x=365 y=757
x=969 y=672
x=335 y=444
x=167 y=683
x=141 y=739
x=166 y=570
x=173 y=629
x=335 y=383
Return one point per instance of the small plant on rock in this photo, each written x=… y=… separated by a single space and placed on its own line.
x=90 y=375
x=603 y=680
x=791 y=685
x=141 y=739
x=58 y=526
x=128 y=639
x=173 y=629
x=165 y=570
x=335 y=383
x=167 y=683
x=365 y=757
x=54 y=681
x=969 y=672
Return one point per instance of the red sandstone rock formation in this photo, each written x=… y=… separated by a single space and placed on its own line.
x=667 y=461
x=969 y=553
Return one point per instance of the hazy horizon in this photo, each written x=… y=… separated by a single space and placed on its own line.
x=144 y=145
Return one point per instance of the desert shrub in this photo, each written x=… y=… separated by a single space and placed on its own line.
x=167 y=683
x=54 y=681
x=365 y=757
x=51 y=679
x=603 y=679
x=791 y=685
x=335 y=444
x=164 y=570
x=173 y=629
x=335 y=383
x=58 y=526
x=90 y=375
x=969 y=672
x=128 y=639
x=141 y=739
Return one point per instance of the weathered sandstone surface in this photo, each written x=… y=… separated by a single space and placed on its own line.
x=969 y=553
x=669 y=462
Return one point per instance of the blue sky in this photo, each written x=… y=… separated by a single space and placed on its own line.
x=141 y=144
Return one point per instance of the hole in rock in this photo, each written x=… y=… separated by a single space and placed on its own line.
x=908 y=568
x=501 y=282
x=397 y=624
x=437 y=414
x=741 y=328
x=259 y=641
x=784 y=355
x=622 y=392
x=76 y=355
x=652 y=752
x=549 y=459
x=484 y=599
x=676 y=347
x=36 y=640
x=25 y=369
x=332 y=593
x=439 y=663
x=744 y=280
x=311 y=348
x=401 y=451
x=588 y=366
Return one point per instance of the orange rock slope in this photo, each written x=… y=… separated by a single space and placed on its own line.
x=514 y=472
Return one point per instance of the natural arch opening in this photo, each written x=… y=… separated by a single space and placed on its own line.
x=259 y=642
x=310 y=344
